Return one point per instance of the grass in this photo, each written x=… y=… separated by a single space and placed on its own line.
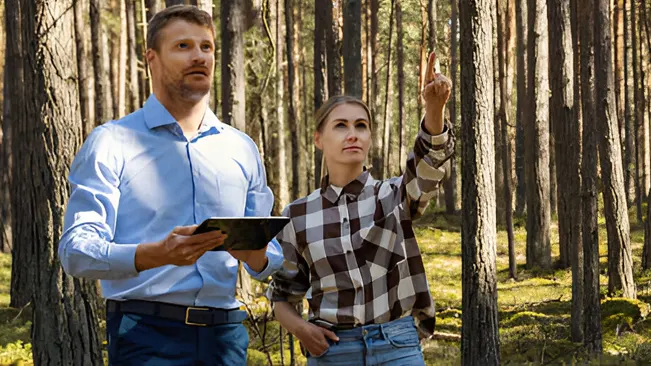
x=534 y=311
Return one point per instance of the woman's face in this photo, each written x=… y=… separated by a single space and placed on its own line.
x=345 y=136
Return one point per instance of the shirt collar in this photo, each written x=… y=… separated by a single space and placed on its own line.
x=157 y=115
x=351 y=190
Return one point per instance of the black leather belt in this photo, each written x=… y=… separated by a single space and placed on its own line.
x=190 y=315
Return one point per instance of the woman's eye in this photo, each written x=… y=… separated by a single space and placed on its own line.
x=340 y=125
x=361 y=126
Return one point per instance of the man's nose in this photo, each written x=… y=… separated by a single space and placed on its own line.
x=198 y=56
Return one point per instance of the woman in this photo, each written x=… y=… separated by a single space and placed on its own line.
x=350 y=246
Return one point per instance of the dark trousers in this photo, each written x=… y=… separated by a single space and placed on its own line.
x=148 y=340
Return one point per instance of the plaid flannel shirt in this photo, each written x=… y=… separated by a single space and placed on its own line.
x=354 y=253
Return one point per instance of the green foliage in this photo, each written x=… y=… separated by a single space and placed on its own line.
x=16 y=353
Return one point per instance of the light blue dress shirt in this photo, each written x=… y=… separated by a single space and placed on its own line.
x=134 y=180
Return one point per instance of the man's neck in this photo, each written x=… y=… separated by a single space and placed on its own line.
x=188 y=113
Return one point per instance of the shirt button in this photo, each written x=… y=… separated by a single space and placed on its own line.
x=348 y=251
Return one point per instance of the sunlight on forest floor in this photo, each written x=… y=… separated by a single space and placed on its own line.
x=534 y=310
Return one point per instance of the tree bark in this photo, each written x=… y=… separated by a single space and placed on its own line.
x=82 y=68
x=537 y=140
x=618 y=49
x=400 y=55
x=169 y=3
x=352 y=43
x=233 y=82
x=122 y=66
x=431 y=20
x=321 y=23
x=11 y=108
x=450 y=184
x=620 y=261
x=377 y=131
x=295 y=125
x=478 y=236
x=103 y=100
x=505 y=105
x=50 y=131
x=388 y=102
x=592 y=306
x=522 y=48
x=567 y=144
x=276 y=146
x=630 y=156
x=333 y=50
x=134 y=87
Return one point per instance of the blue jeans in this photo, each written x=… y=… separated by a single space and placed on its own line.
x=148 y=340
x=388 y=344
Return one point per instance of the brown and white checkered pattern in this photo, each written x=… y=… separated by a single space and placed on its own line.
x=354 y=253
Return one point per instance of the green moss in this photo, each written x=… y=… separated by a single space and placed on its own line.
x=635 y=309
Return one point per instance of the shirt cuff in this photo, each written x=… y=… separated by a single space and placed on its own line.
x=122 y=258
x=437 y=141
x=274 y=261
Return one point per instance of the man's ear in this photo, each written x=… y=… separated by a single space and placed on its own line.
x=150 y=55
x=317 y=140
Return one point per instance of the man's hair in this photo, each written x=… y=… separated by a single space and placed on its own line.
x=189 y=13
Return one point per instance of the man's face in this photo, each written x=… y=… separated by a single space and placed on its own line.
x=184 y=62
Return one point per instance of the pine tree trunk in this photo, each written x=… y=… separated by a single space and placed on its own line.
x=400 y=55
x=567 y=144
x=352 y=43
x=321 y=22
x=232 y=73
x=497 y=125
x=522 y=48
x=298 y=164
x=11 y=108
x=377 y=130
x=122 y=66
x=277 y=128
x=537 y=140
x=134 y=87
x=103 y=100
x=630 y=157
x=299 y=96
x=505 y=105
x=431 y=20
x=478 y=236
x=88 y=123
x=386 y=143
x=450 y=184
x=618 y=49
x=50 y=131
x=620 y=262
x=333 y=50
x=592 y=306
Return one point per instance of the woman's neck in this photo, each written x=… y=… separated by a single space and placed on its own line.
x=341 y=175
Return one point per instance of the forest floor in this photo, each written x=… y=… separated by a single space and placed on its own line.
x=534 y=311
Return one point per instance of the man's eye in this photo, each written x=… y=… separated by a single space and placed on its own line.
x=183 y=45
x=207 y=47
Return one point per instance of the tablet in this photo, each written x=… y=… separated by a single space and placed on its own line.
x=244 y=233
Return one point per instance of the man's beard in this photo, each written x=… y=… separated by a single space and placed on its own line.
x=186 y=91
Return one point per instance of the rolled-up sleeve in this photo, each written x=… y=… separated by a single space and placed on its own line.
x=292 y=281
x=427 y=165
x=86 y=248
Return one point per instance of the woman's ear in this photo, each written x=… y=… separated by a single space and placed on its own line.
x=317 y=140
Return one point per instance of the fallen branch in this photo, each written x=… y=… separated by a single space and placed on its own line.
x=441 y=336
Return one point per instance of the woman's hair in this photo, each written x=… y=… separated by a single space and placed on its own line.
x=327 y=107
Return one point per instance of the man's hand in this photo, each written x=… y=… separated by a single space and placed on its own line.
x=179 y=248
x=255 y=259
x=435 y=95
x=314 y=338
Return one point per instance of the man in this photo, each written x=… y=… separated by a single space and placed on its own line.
x=140 y=186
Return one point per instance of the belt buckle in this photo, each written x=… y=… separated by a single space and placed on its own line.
x=187 y=315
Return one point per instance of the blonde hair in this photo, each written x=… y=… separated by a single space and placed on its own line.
x=324 y=111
